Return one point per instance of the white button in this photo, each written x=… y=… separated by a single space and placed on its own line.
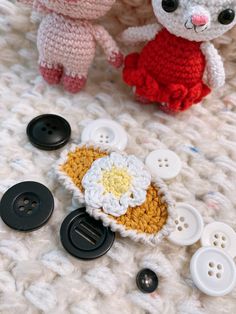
x=219 y=235
x=189 y=225
x=213 y=271
x=163 y=163
x=104 y=131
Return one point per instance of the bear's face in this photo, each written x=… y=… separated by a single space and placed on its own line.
x=196 y=20
x=79 y=9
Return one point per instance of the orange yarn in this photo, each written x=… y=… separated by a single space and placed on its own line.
x=149 y=218
x=79 y=162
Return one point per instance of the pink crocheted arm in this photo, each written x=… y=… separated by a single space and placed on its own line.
x=109 y=46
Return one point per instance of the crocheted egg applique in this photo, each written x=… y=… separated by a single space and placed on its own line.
x=119 y=190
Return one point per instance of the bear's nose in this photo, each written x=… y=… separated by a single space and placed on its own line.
x=199 y=20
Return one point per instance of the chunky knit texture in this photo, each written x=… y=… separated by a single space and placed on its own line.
x=36 y=274
x=67 y=40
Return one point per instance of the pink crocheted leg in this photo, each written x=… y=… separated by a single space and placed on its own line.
x=52 y=75
x=74 y=84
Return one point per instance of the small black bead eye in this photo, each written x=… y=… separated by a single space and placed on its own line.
x=170 y=5
x=226 y=17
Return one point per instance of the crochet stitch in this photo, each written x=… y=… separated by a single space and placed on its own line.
x=67 y=40
x=178 y=66
x=116 y=182
x=149 y=222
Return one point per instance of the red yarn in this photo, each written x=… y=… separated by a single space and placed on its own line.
x=73 y=84
x=168 y=70
x=51 y=75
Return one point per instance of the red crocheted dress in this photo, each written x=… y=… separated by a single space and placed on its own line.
x=168 y=70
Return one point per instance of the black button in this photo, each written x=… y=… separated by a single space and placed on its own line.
x=84 y=237
x=147 y=280
x=26 y=206
x=48 y=132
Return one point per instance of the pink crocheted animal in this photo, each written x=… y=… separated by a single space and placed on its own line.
x=67 y=40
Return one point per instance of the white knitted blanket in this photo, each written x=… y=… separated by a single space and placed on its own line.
x=36 y=274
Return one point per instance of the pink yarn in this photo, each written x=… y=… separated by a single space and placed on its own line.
x=67 y=40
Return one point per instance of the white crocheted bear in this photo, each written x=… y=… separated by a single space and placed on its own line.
x=67 y=39
x=179 y=65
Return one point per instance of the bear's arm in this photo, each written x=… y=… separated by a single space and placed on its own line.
x=140 y=33
x=109 y=46
x=215 y=72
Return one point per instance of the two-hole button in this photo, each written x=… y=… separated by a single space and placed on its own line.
x=84 y=237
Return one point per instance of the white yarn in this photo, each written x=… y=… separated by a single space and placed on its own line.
x=96 y=194
x=215 y=69
x=93 y=207
x=139 y=34
x=201 y=137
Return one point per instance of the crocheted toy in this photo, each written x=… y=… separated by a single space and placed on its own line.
x=67 y=39
x=179 y=66
x=119 y=190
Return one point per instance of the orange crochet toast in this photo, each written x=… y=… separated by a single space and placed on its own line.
x=148 y=221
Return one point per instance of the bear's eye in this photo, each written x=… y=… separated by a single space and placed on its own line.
x=226 y=17
x=170 y=5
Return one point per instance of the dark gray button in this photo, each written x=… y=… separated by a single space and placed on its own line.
x=26 y=206
x=84 y=237
x=147 y=280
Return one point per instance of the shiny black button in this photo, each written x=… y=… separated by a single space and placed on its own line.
x=26 y=206
x=147 y=280
x=84 y=237
x=48 y=132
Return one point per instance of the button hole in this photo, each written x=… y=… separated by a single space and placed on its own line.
x=34 y=204
x=21 y=208
x=219 y=266
x=182 y=219
x=90 y=229
x=85 y=236
x=216 y=236
x=29 y=211
x=180 y=228
x=211 y=264
x=210 y=273
x=215 y=243
x=177 y=222
x=26 y=201
x=186 y=226
x=223 y=245
x=223 y=238
x=218 y=275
